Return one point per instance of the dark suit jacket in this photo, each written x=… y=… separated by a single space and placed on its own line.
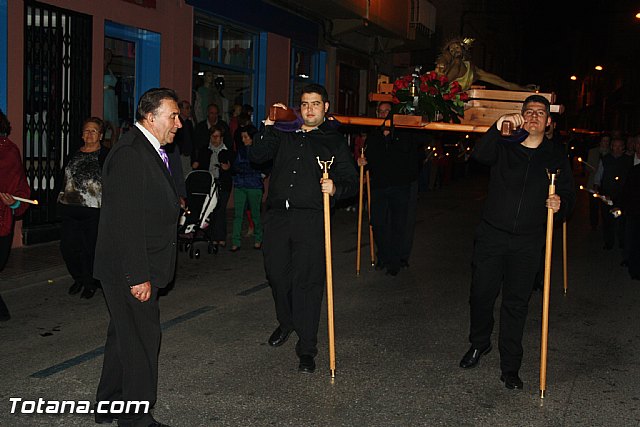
x=138 y=220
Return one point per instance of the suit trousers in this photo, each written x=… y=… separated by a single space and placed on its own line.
x=507 y=262
x=612 y=227
x=219 y=216
x=78 y=241
x=294 y=261
x=130 y=367
x=389 y=216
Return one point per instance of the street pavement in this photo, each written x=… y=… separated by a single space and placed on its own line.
x=398 y=339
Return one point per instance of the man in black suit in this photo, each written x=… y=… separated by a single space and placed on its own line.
x=136 y=255
x=202 y=131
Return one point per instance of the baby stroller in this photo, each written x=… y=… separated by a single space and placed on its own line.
x=202 y=198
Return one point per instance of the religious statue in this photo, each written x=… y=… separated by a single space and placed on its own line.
x=454 y=62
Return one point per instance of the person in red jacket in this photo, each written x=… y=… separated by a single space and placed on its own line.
x=13 y=182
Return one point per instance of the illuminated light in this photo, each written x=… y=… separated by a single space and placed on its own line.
x=303 y=76
x=573 y=148
x=599 y=67
x=201 y=73
x=638 y=15
x=467 y=136
x=434 y=148
x=595 y=195
x=580 y=159
x=617 y=178
x=446 y=154
x=582 y=187
x=468 y=149
x=435 y=154
x=574 y=78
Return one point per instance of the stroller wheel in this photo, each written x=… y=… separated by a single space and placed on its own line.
x=197 y=253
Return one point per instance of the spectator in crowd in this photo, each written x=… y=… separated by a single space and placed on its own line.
x=594 y=157
x=79 y=205
x=608 y=181
x=13 y=182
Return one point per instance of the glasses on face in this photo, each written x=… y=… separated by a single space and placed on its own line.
x=531 y=113
x=90 y=132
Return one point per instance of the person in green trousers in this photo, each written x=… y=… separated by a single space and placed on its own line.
x=247 y=189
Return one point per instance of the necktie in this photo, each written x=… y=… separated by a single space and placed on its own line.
x=165 y=158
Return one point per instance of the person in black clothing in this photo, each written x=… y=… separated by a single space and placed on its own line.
x=217 y=159
x=630 y=205
x=392 y=159
x=202 y=132
x=293 y=243
x=609 y=180
x=507 y=242
x=184 y=139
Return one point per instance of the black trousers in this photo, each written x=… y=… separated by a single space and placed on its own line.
x=611 y=227
x=219 y=217
x=293 y=248
x=594 y=211
x=78 y=241
x=412 y=206
x=507 y=262
x=5 y=249
x=632 y=245
x=389 y=220
x=130 y=367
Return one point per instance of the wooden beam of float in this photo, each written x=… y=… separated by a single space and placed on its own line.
x=412 y=122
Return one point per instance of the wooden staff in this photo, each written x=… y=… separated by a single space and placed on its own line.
x=360 y=213
x=564 y=255
x=371 y=245
x=547 y=280
x=325 y=165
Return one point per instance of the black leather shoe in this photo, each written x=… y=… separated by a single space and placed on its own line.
x=279 y=337
x=472 y=357
x=511 y=381
x=392 y=271
x=75 y=288
x=307 y=364
x=88 y=293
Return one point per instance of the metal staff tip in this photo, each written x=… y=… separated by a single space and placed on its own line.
x=325 y=165
x=553 y=174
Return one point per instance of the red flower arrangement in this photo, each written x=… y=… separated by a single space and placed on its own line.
x=435 y=96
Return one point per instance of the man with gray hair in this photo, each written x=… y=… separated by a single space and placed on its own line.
x=136 y=254
x=506 y=254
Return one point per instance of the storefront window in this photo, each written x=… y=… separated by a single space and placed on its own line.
x=223 y=67
x=119 y=84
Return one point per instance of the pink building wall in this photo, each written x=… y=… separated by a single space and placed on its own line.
x=172 y=19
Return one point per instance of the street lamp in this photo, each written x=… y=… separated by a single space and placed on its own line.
x=574 y=78
x=599 y=67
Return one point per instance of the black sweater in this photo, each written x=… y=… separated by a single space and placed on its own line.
x=393 y=160
x=519 y=184
x=296 y=175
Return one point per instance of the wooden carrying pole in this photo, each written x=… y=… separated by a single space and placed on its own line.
x=564 y=255
x=371 y=245
x=545 y=300
x=325 y=165
x=360 y=197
